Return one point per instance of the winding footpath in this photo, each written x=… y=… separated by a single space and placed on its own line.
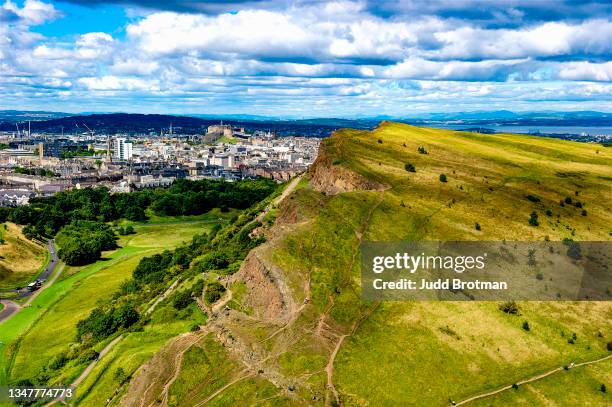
x=529 y=380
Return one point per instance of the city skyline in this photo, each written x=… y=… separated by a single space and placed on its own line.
x=305 y=59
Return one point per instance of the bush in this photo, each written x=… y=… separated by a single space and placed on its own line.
x=120 y=376
x=609 y=346
x=509 y=307
x=515 y=386
x=533 y=198
x=526 y=326
x=58 y=361
x=443 y=178
x=182 y=299
x=88 y=355
x=533 y=219
x=409 y=167
x=422 y=150
x=214 y=291
x=578 y=204
x=584 y=212
x=568 y=200
x=603 y=388
x=379 y=141
x=477 y=226
x=548 y=212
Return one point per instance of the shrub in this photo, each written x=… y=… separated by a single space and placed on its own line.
x=509 y=307
x=120 y=376
x=214 y=291
x=182 y=299
x=568 y=200
x=443 y=178
x=533 y=219
x=88 y=355
x=526 y=326
x=515 y=386
x=58 y=361
x=533 y=198
x=194 y=328
x=578 y=204
x=422 y=150
x=409 y=167
x=609 y=346
x=379 y=141
x=477 y=226
x=603 y=388
x=584 y=212
x=548 y=212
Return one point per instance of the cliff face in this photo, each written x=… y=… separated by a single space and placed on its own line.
x=325 y=176
x=267 y=294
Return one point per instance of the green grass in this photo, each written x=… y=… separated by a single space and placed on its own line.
x=37 y=333
x=21 y=260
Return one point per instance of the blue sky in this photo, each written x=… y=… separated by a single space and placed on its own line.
x=306 y=58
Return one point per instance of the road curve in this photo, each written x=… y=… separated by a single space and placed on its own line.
x=11 y=307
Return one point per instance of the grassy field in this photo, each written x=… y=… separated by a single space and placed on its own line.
x=426 y=353
x=20 y=259
x=38 y=333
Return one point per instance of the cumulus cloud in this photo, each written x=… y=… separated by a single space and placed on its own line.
x=309 y=55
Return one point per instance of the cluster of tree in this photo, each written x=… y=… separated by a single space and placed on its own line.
x=47 y=215
x=35 y=171
x=197 y=197
x=128 y=230
x=102 y=323
x=82 y=242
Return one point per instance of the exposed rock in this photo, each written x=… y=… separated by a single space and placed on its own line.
x=325 y=176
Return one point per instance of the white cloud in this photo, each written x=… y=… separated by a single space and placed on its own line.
x=586 y=71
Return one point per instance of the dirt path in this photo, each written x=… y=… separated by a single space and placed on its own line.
x=529 y=380
x=178 y=362
x=244 y=374
x=289 y=189
x=330 y=363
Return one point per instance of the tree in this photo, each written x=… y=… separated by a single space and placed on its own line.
x=443 y=178
x=422 y=150
x=477 y=226
x=526 y=326
x=214 y=291
x=182 y=299
x=409 y=167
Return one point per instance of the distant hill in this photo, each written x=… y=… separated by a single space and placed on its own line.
x=153 y=123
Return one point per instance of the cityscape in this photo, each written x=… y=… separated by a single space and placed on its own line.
x=35 y=164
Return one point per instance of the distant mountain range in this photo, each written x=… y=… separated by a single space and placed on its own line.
x=58 y=122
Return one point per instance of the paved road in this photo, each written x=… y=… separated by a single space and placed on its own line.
x=11 y=307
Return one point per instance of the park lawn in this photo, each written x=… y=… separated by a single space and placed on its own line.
x=33 y=350
x=52 y=333
x=21 y=260
x=214 y=215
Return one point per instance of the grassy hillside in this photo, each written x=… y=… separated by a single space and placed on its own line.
x=297 y=320
x=20 y=258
